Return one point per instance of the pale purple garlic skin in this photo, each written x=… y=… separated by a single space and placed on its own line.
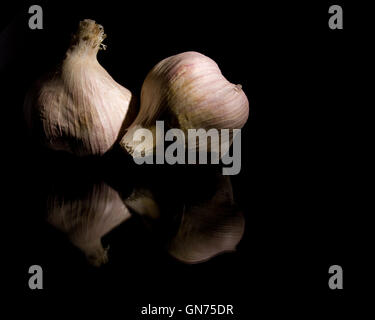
x=79 y=108
x=188 y=91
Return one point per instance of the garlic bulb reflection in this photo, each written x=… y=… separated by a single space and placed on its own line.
x=142 y=202
x=208 y=229
x=188 y=91
x=87 y=218
x=78 y=108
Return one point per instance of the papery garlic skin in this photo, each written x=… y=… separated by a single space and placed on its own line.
x=78 y=108
x=188 y=91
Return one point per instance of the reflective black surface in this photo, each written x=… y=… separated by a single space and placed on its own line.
x=298 y=204
x=190 y=211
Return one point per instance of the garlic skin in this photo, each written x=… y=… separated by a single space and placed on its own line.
x=86 y=218
x=188 y=91
x=210 y=228
x=78 y=108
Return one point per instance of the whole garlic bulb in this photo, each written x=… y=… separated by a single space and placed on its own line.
x=188 y=91
x=78 y=108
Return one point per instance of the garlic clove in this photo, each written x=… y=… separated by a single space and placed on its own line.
x=86 y=218
x=210 y=228
x=188 y=91
x=79 y=108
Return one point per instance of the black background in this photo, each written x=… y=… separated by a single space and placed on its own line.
x=303 y=180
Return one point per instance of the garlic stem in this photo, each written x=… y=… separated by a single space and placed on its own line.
x=88 y=38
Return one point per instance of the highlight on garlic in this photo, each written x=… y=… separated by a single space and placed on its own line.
x=187 y=91
x=85 y=218
x=210 y=228
x=79 y=108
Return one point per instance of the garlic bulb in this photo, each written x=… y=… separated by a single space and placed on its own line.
x=86 y=218
x=78 y=108
x=210 y=228
x=188 y=91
